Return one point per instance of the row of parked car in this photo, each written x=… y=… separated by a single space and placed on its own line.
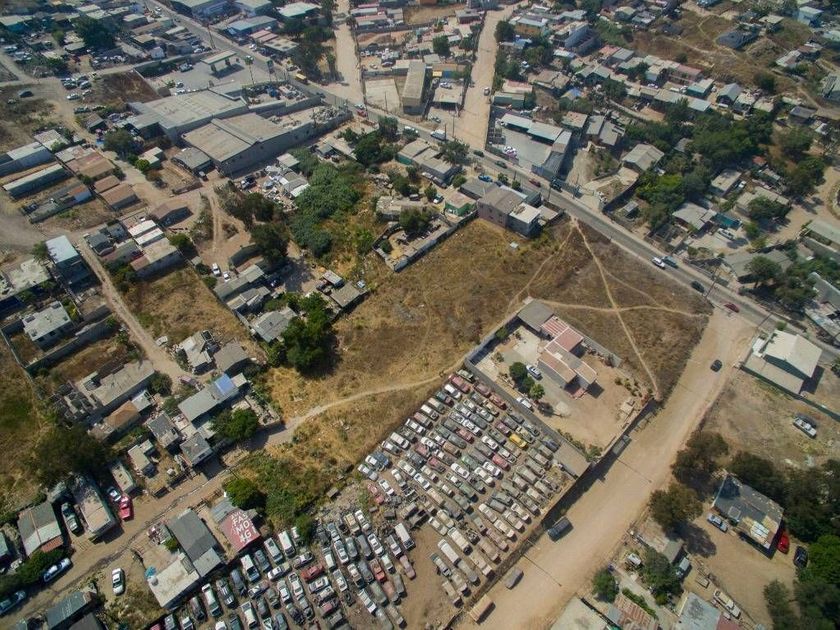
x=478 y=470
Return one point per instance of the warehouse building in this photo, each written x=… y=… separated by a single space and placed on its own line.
x=24 y=157
x=176 y=115
x=415 y=84
x=241 y=142
x=36 y=181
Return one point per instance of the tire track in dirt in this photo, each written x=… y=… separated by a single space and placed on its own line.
x=622 y=309
x=642 y=362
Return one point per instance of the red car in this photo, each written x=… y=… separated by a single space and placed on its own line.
x=732 y=307
x=784 y=542
x=312 y=572
x=126 y=508
x=378 y=573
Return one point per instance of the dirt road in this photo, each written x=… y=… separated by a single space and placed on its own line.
x=554 y=572
x=157 y=355
x=471 y=125
x=347 y=63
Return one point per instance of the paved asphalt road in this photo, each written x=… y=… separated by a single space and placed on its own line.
x=621 y=237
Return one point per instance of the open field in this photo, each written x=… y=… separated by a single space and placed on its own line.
x=20 y=424
x=178 y=304
x=115 y=90
x=756 y=417
x=19 y=119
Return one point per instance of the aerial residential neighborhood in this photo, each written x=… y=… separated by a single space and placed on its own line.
x=419 y=314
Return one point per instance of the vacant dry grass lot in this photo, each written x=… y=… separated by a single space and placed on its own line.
x=21 y=422
x=416 y=326
x=178 y=304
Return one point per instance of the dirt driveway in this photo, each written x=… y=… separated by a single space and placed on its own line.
x=554 y=572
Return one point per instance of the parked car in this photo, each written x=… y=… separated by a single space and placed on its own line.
x=716 y=365
x=55 y=570
x=12 y=601
x=697 y=286
x=126 y=508
x=806 y=425
x=118 y=581
x=658 y=262
x=718 y=522
x=70 y=518
x=559 y=528
x=783 y=544
x=732 y=307
x=800 y=557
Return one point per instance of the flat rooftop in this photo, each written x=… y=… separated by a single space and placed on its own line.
x=223 y=139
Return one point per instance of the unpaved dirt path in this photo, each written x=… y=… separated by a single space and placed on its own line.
x=616 y=309
x=622 y=309
x=157 y=355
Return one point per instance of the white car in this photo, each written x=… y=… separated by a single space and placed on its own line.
x=718 y=522
x=492 y=469
x=803 y=424
x=460 y=470
x=118 y=581
x=386 y=487
x=424 y=483
x=658 y=262
x=377 y=547
x=367 y=472
x=533 y=371
x=490 y=442
x=525 y=402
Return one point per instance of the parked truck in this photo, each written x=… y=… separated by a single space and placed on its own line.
x=459 y=540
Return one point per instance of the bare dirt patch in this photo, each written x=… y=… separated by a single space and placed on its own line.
x=756 y=417
x=21 y=117
x=421 y=15
x=115 y=90
x=179 y=304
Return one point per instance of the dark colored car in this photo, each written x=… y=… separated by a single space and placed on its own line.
x=697 y=286
x=559 y=528
x=800 y=557
x=732 y=307
x=716 y=365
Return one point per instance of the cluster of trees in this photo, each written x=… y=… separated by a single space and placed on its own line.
x=94 y=33
x=310 y=46
x=523 y=381
x=793 y=287
x=414 y=222
x=604 y=585
x=122 y=143
x=455 y=151
x=309 y=341
x=660 y=576
x=238 y=425
x=52 y=461
x=440 y=46
x=816 y=591
x=331 y=190
x=504 y=31
x=371 y=148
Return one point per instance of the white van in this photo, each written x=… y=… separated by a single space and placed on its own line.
x=452 y=391
x=248 y=568
x=286 y=543
x=250 y=615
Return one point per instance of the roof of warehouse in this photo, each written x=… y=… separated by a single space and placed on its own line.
x=223 y=139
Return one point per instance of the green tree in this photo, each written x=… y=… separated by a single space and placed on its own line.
x=700 y=457
x=120 y=141
x=518 y=372
x=660 y=576
x=94 y=33
x=537 y=391
x=52 y=461
x=605 y=586
x=455 y=152
x=440 y=45
x=182 y=243
x=309 y=342
x=505 y=32
x=142 y=165
x=763 y=269
x=824 y=560
x=765 y=81
x=796 y=141
x=370 y=150
x=39 y=251
x=238 y=425
x=778 y=598
x=674 y=506
x=760 y=473
x=389 y=128
x=271 y=241
x=58 y=35
x=244 y=493
x=430 y=192
x=160 y=383
x=414 y=222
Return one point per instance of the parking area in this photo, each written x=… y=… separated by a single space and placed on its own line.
x=453 y=466
x=528 y=152
x=197 y=76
